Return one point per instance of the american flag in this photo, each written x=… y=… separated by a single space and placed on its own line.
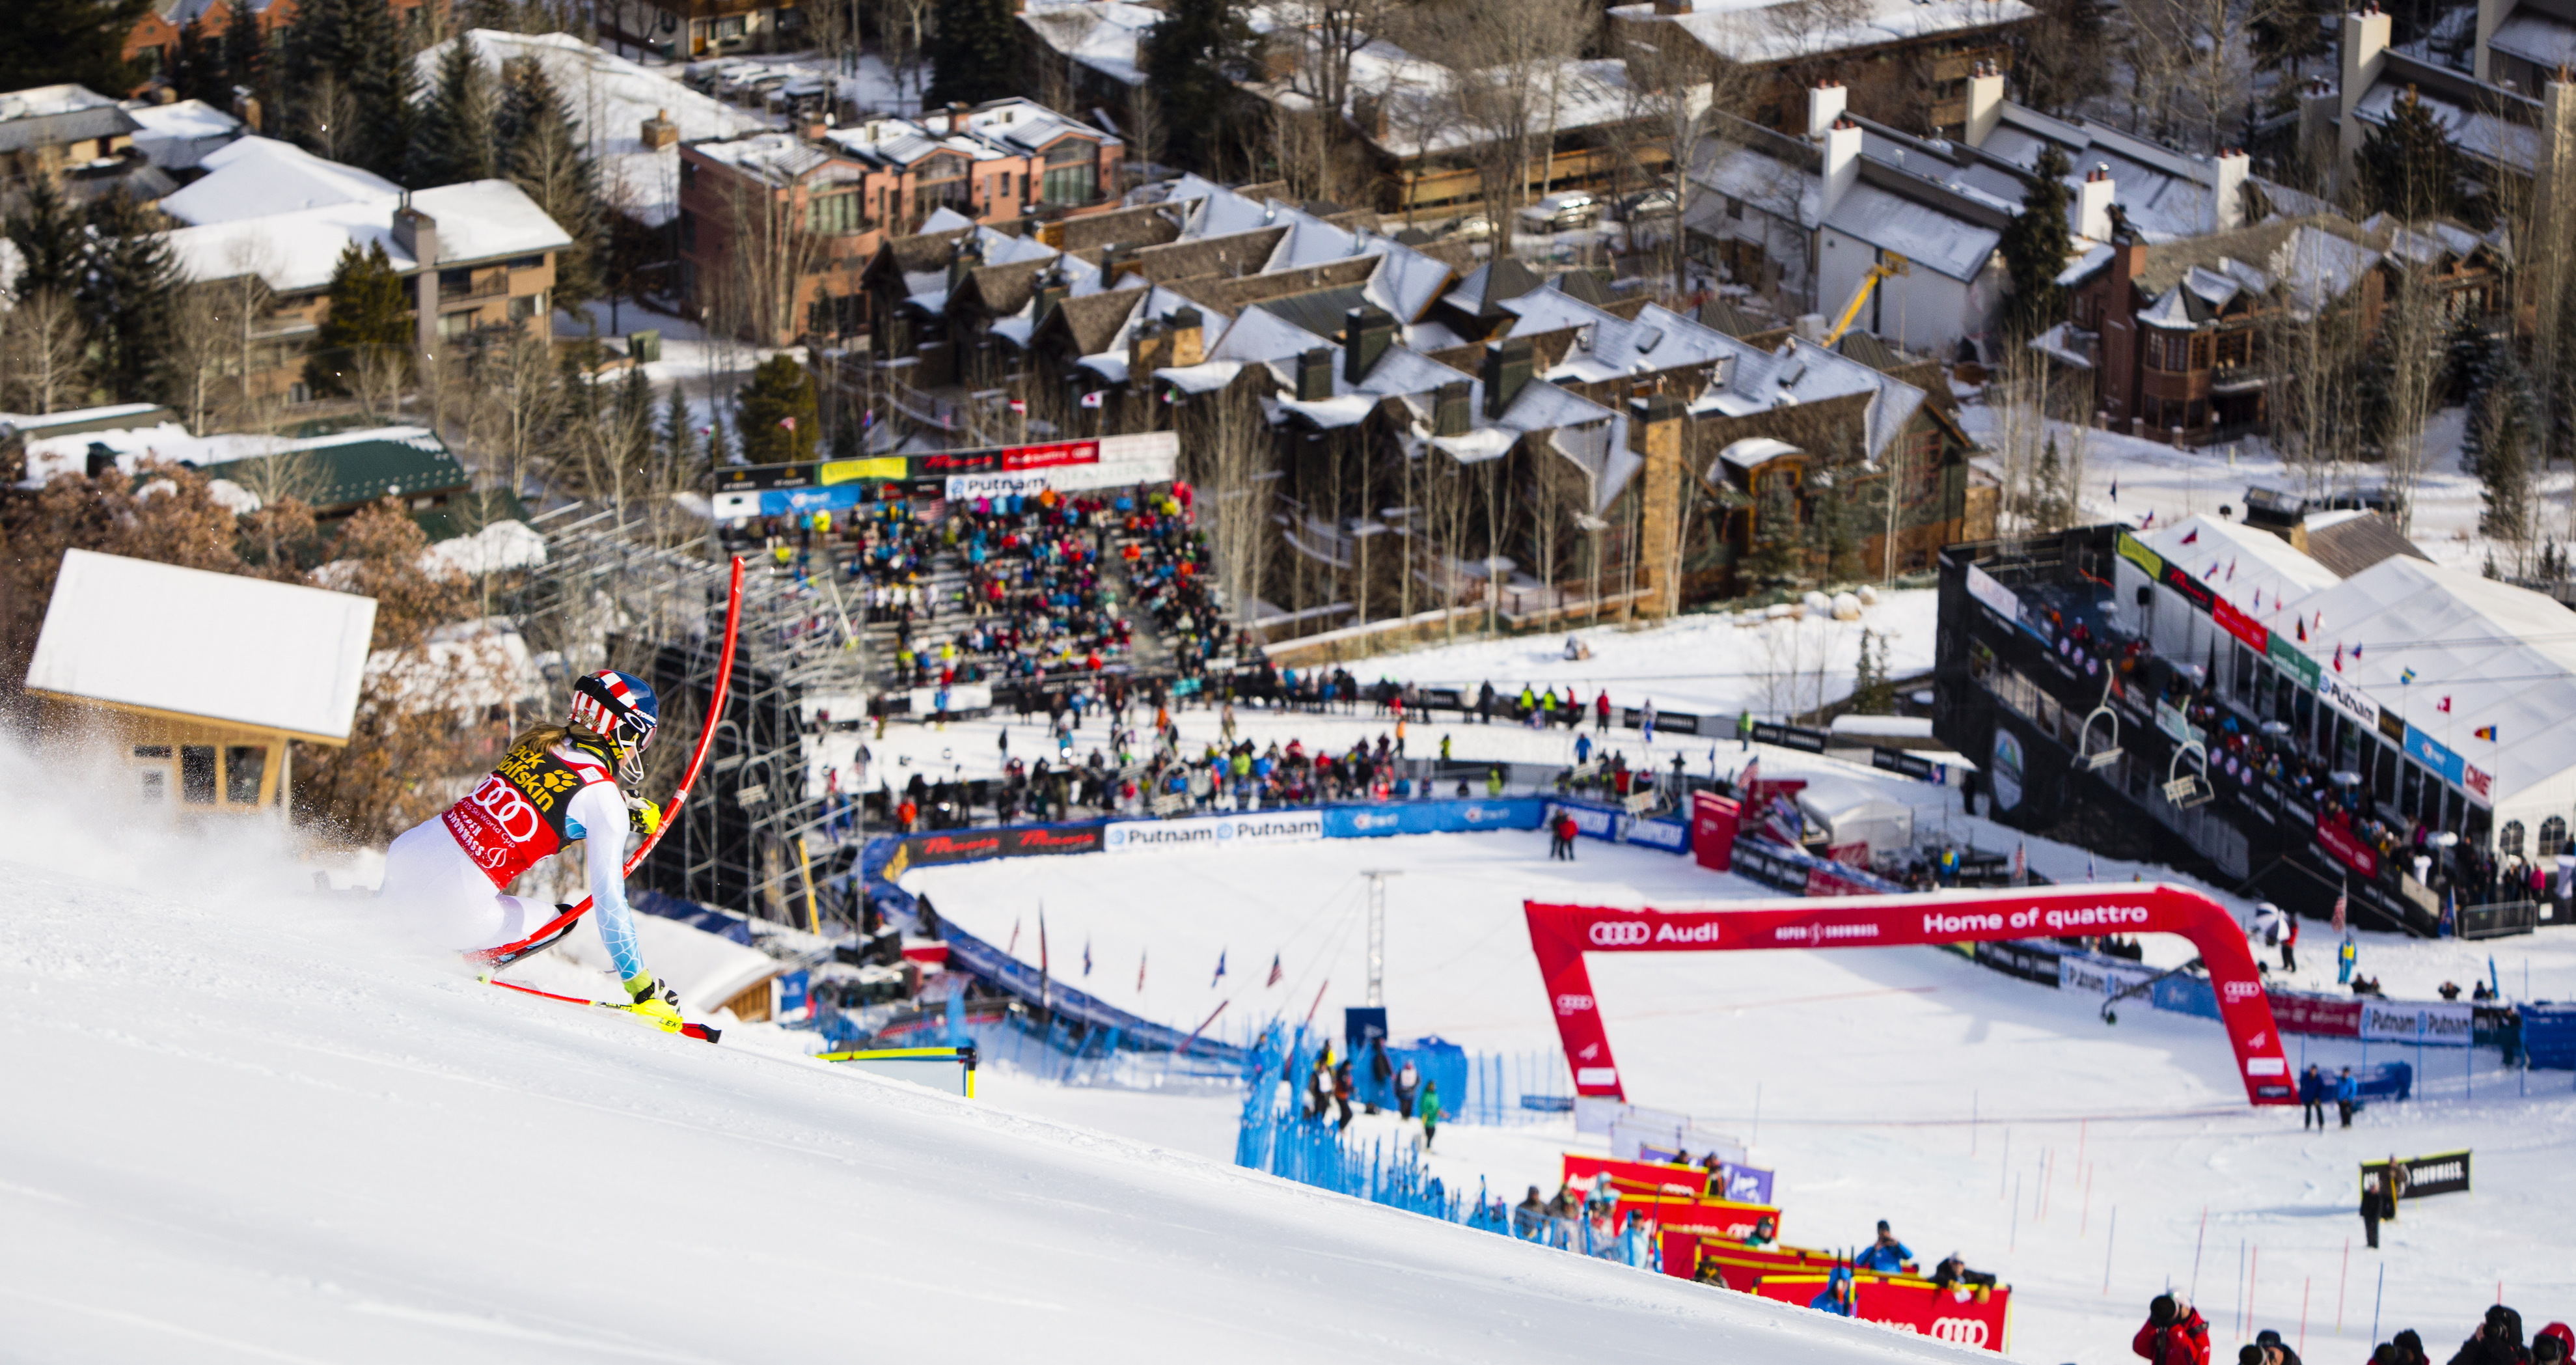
x=1275 y=973
x=1220 y=969
x=1086 y=957
x=1140 y=971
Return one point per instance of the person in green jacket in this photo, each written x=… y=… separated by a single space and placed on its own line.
x=1430 y=1105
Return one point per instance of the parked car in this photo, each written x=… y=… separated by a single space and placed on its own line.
x=1475 y=227
x=1558 y=212
x=1657 y=203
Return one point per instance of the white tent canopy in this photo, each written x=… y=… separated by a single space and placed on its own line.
x=1855 y=814
x=2256 y=571
x=184 y=641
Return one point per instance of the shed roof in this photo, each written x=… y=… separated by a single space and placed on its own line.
x=158 y=637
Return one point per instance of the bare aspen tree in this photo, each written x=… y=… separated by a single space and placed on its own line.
x=1505 y=57
x=772 y=254
x=2412 y=337
x=1675 y=85
x=46 y=352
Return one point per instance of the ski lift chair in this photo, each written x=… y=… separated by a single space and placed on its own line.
x=2095 y=760
x=2186 y=790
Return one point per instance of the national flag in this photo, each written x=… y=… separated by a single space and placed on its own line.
x=1086 y=956
x=2405 y=677
x=2338 y=659
x=2341 y=898
x=1019 y=405
x=2088 y=867
x=1042 y=948
x=2485 y=732
x=2356 y=649
x=1095 y=398
x=1015 y=937
x=706 y=430
x=1140 y=971
x=2021 y=862
x=2115 y=490
x=1220 y=969
x=787 y=423
x=2302 y=623
x=2445 y=707
x=867 y=419
x=2192 y=537
x=1275 y=973
x=2231 y=570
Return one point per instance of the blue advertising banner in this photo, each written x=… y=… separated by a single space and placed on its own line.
x=2423 y=749
x=1432 y=817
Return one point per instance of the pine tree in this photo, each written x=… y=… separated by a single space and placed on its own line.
x=48 y=42
x=2408 y=165
x=1779 y=542
x=1188 y=58
x=777 y=413
x=545 y=157
x=975 y=51
x=2048 y=499
x=128 y=293
x=718 y=453
x=2503 y=421
x=675 y=426
x=452 y=141
x=197 y=68
x=2035 y=245
x=246 y=54
x=48 y=234
x=366 y=309
x=387 y=88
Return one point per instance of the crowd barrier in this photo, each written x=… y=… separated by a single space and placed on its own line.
x=1613 y=825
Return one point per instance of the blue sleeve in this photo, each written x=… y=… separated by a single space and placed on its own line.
x=604 y=858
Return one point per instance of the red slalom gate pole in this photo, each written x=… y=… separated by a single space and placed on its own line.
x=2343 y=1281
x=2303 y=1319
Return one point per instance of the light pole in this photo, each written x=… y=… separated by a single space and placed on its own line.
x=1377 y=934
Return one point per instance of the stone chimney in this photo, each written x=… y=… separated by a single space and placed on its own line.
x=1368 y=332
x=957 y=110
x=1315 y=375
x=1842 y=162
x=660 y=131
x=1985 y=102
x=1052 y=291
x=417 y=234
x=1655 y=425
x=1509 y=366
x=2092 y=206
x=2491 y=15
x=1149 y=348
x=2227 y=173
x=1189 y=337
x=246 y=108
x=1113 y=262
x=1825 y=105
x=2365 y=55
x=2318 y=107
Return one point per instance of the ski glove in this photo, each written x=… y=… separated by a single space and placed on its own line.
x=655 y=1001
x=643 y=816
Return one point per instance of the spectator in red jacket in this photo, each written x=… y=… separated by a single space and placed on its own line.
x=2174 y=1334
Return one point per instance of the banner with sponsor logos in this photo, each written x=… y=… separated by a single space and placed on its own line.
x=975 y=845
x=2347 y=847
x=2099 y=976
x=1215 y=831
x=2425 y=749
x=1959 y=1315
x=1432 y=817
x=2420 y=1176
x=2325 y=1015
x=2437 y=1024
x=1793 y=736
x=2000 y=600
x=1562 y=935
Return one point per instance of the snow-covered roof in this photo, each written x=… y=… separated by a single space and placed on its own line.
x=1786 y=192
x=2486 y=135
x=1924 y=235
x=1751 y=454
x=1610 y=347
x=255 y=177
x=780 y=159
x=2544 y=40
x=1004 y=128
x=2258 y=573
x=1101 y=36
x=610 y=98
x=2093 y=258
x=163 y=638
x=294 y=251
x=177 y=136
x=1762 y=32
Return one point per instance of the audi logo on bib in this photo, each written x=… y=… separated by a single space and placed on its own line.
x=1620 y=933
x=1962 y=1331
x=508 y=809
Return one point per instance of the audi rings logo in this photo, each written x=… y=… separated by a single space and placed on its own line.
x=1620 y=933
x=1573 y=1004
x=1960 y=1331
x=2242 y=990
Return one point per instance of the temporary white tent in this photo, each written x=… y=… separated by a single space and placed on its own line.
x=1852 y=813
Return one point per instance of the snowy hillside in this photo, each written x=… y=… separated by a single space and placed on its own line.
x=250 y=1123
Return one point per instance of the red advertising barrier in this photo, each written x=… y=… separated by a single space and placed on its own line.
x=2315 y=1014
x=1560 y=936
x=1958 y=1315
x=1639 y=1177
x=1673 y=1197
x=1714 y=819
x=2339 y=841
x=1742 y=1267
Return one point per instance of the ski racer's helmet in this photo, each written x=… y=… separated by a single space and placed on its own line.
x=620 y=707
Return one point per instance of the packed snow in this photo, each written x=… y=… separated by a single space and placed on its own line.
x=252 y=1122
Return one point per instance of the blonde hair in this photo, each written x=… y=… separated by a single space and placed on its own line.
x=545 y=736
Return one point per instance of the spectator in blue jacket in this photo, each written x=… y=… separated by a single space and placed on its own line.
x=1837 y=1298
x=2347 y=1095
x=1886 y=1255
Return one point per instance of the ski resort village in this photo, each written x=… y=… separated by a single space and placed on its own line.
x=1154 y=681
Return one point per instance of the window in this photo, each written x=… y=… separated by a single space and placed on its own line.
x=456 y=281
x=729 y=30
x=1734 y=208
x=2200 y=352
x=244 y=766
x=197 y=774
x=2509 y=840
x=524 y=262
x=837 y=214
x=2195 y=413
x=452 y=326
x=527 y=306
x=2236 y=348
x=1072 y=172
x=2553 y=836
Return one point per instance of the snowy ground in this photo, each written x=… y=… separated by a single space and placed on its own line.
x=2174 y=484
x=248 y=1123
x=1905 y=1084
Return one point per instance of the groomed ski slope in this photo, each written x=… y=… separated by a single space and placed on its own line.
x=249 y=1123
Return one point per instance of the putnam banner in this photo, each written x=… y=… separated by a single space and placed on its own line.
x=2439 y=1024
x=1215 y=831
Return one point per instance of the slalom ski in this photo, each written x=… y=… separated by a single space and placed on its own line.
x=555 y=928
x=685 y=1030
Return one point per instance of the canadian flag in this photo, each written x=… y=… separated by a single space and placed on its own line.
x=2446 y=706
x=1094 y=398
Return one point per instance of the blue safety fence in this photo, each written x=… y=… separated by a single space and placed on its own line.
x=2549 y=1035
x=1614 y=825
x=1278 y=1135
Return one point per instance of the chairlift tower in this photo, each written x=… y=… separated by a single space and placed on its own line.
x=1377 y=933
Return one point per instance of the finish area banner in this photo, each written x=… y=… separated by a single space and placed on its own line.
x=1958 y=1315
x=1561 y=936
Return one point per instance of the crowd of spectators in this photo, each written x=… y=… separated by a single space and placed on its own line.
x=2176 y=1334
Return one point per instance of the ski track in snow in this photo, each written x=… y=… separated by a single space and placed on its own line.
x=252 y=1123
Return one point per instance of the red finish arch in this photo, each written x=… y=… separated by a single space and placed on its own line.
x=1562 y=934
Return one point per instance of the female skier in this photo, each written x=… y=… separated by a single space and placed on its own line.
x=557 y=783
